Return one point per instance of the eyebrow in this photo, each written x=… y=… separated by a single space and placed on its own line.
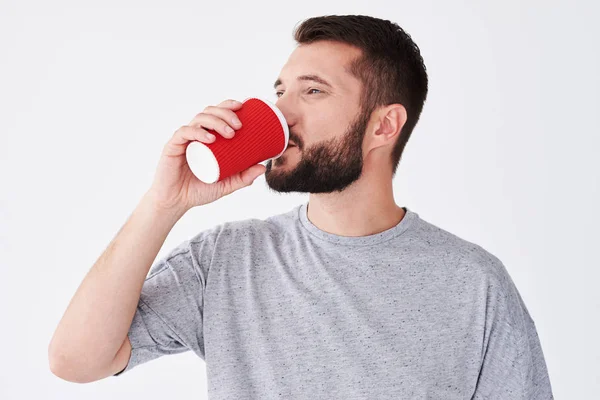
x=314 y=78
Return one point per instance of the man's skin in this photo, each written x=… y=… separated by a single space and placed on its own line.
x=349 y=179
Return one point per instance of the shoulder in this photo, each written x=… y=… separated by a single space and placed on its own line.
x=242 y=231
x=462 y=256
x=483 y=272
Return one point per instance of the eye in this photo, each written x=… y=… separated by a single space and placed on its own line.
x=278 y=94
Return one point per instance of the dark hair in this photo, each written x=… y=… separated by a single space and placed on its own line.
x=390 y=67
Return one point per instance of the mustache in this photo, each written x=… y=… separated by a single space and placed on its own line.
x=296 y=139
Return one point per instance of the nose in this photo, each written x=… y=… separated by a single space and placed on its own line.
x=286 y=109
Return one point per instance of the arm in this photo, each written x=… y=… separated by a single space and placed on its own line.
x=92 y=337
x=513 y=364
x=90 y=341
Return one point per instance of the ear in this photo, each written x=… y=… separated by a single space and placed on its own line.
x=389 y=121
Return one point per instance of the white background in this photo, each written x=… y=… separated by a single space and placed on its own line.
x=505 y=154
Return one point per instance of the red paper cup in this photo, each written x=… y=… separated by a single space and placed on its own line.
x=264 y=135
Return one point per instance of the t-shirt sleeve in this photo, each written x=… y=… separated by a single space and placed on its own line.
x=513 y=365
x=169 y=315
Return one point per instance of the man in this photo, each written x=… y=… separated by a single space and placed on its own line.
x=348 y=296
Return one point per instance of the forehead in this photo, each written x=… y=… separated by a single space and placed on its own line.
x=327 y=59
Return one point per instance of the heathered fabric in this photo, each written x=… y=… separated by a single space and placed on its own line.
x=280 y=309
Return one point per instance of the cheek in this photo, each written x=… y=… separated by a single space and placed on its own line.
x=341 y=113
x=325 y=127
x=328 y=119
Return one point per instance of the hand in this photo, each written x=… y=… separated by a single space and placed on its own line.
x=175 y=185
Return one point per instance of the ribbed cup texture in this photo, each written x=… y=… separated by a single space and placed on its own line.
x=260 y=138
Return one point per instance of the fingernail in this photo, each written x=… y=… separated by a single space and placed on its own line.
x=236 y=121
x=228 y=129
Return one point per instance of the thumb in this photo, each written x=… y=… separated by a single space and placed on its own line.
x=248 y=176
x=240 y=180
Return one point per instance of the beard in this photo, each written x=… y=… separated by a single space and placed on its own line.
x=325 y=167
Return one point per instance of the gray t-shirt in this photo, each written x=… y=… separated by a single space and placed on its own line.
x=280 y=309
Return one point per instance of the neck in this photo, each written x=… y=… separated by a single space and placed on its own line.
x=366 y=207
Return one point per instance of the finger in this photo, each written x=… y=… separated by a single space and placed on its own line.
x=226 y=115
x=249 y=176
x=177 y=145
x=187 y=133
x=228 y=107
x=241 y=179
x=231 y=104
x=209 y=121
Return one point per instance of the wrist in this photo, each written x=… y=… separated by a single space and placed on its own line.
x=151 y=204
